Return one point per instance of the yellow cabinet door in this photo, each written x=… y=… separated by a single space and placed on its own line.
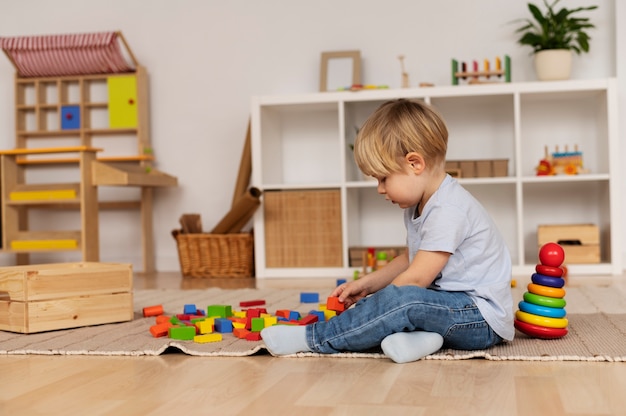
x=122 y=101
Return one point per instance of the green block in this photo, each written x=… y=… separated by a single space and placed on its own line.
x=258 y=324
x=222 y=311
x=184 y=333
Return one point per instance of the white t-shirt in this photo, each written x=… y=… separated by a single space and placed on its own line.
x=453 y=221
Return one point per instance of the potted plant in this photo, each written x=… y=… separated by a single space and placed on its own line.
x=553 y=35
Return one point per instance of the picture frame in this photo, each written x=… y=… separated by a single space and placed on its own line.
x=340 y=65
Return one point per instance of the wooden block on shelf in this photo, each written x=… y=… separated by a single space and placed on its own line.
x=48 y=297
x=129 y=175
x=64 y=244
x=303 y=228
x=580 y=242
x=43 y=195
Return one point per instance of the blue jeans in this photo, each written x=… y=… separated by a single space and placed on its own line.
x=403 y=309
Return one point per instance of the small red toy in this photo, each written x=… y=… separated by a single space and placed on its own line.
x=551 y=254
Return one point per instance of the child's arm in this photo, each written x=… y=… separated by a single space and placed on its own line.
x=423 y=270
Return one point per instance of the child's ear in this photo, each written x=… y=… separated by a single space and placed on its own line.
x=416 y=161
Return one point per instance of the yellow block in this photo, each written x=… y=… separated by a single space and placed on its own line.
x=122 y=101
x=202 y=339
x=270 y=321
x=43 y=244
x=205 y=327
x=42 y=195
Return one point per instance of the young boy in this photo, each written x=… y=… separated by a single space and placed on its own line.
x=452 y=285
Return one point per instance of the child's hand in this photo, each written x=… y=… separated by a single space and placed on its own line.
x=350 y=293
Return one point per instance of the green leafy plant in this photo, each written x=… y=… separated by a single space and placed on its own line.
x=555 y=29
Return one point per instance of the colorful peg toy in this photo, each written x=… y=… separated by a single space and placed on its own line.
x=542 y=312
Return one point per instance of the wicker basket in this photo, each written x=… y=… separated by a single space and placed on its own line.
x=215 y=255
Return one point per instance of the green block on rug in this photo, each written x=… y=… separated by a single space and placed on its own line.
x=183 y=333
x=257 y=324
x=222 y=311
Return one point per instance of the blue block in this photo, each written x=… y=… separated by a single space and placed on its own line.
x=294 y=315
x=190 y=309
x=223 y=325
x=308 y=297
x=70 y=117
x=341 y=281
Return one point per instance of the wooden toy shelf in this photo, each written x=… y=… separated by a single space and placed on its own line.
x=82 y=104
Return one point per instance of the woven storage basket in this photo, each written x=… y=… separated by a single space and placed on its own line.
x=215 y=255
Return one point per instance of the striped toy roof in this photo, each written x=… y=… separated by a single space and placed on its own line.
x=69 y=54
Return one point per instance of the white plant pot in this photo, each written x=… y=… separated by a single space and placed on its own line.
x=553 y=64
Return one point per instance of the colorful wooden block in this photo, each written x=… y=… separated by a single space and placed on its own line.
x=189 y=309
x=309 y=297
x=257 y=324
x=248 y=303
x=183 y=333
x=160 y=330
x=270 y=321
x=333 y=304
x=202 y=339
x=70 y=117
x=222 y=311
x=154 y=310
x=205 y=327
x=309 y=319
x=253 y=336
x=223 y=325
x=240 y=333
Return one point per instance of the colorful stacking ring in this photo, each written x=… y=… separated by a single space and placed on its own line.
x=544 y=300
x=529 y=318
x=540 y=331
x=543 y=280
x=541 y=310
x=549 y=270
x=552 y=292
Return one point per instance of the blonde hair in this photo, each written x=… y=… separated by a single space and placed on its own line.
x=395 y=129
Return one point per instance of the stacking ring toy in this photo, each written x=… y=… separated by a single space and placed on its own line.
x=545 y=280
x=529 y=318
x=541 y=310
x=539 y=331
x=544 y=300
x=549 y=270
x=552 y=292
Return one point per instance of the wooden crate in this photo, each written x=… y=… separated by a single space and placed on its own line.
x=47 y=297
x=580 y=242
x=488 y=168
x=303 y=228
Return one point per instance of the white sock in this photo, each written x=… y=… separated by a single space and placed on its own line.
x=404 y=347
x=285 y=339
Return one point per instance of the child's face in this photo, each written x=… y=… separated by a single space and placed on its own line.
x=403 y=188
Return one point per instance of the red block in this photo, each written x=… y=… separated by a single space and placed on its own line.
x=307 y=320
x=248 y=303
x=283 y=313
x=155 y=310
x=333 y=304
x=254 y=336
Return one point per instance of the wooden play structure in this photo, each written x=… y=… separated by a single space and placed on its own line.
x=81 y=100
x=487 y=75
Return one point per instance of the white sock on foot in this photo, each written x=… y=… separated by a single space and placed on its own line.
x=404 y=347
x=285 y=339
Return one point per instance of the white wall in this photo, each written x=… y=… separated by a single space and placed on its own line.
x=206 y=58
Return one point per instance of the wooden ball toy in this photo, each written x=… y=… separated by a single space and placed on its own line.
x=551 y=254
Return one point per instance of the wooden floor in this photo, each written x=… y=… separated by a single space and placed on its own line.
x=176 y=384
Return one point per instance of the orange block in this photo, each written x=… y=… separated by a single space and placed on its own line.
x=160 y=330
x=241 y=333
x=333 y=304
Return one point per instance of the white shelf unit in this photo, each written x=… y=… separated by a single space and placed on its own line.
x=302 y=142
